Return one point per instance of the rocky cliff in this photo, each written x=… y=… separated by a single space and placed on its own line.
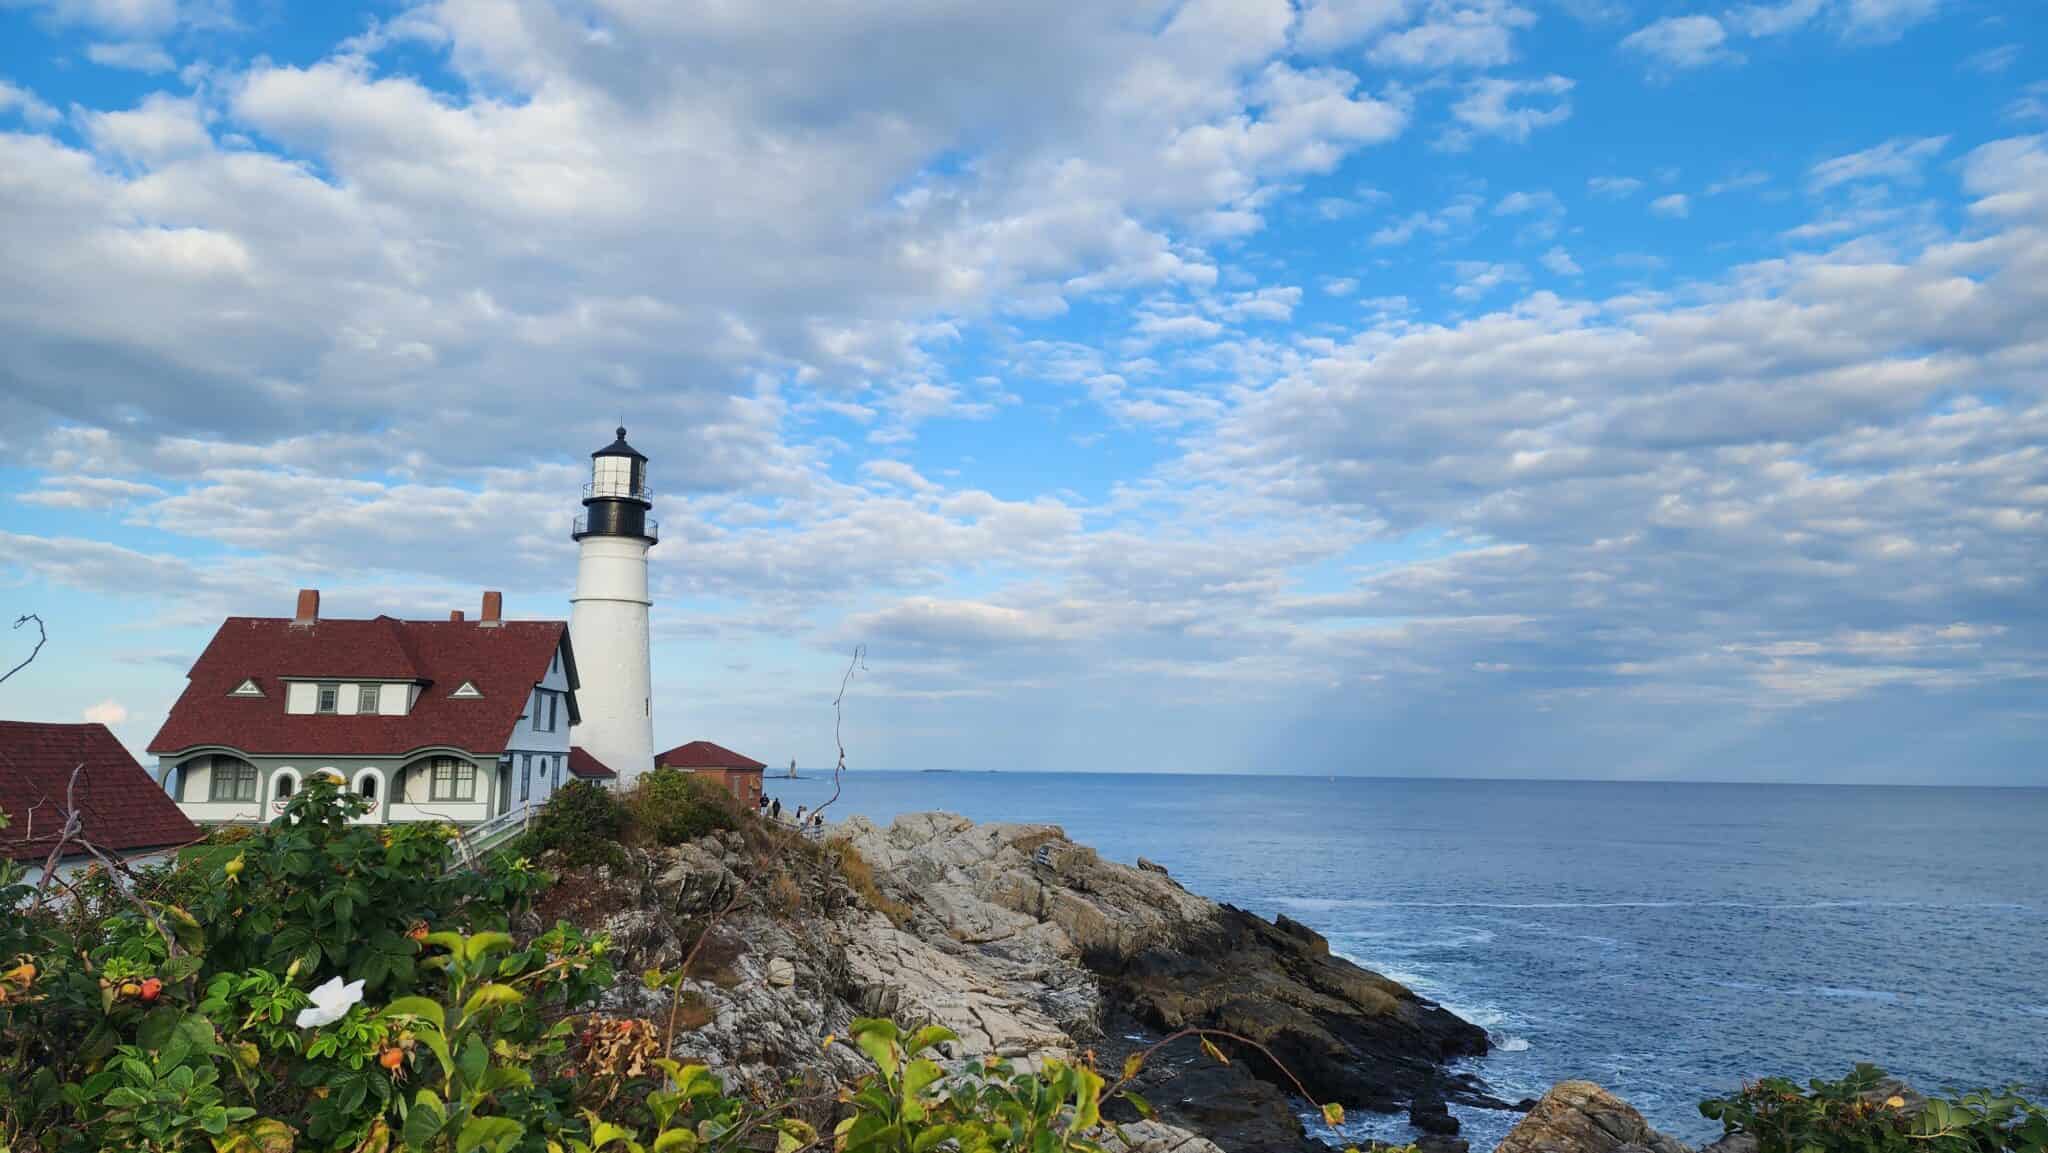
x=1025 y=944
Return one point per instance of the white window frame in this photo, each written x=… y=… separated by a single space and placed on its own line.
x=368 y=698
x=327 y=699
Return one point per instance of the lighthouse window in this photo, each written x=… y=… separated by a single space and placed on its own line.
x=451 y=779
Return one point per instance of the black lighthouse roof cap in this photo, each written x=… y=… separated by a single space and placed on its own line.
x=619 y=447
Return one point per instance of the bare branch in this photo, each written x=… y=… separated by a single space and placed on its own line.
x=857 y=664
x=42 y=638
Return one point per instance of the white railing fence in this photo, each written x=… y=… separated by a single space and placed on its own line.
x=472 y=843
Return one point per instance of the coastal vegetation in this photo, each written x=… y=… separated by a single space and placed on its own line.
x=1867 y=1112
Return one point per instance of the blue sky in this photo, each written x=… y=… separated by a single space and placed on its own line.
x=1453 y=387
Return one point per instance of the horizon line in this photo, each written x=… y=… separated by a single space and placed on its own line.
x=825 y=773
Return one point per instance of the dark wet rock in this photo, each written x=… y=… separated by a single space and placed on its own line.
x=1433 y=1116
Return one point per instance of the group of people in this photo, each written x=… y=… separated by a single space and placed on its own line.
x=771 y=808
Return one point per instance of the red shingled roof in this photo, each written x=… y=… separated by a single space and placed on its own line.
x=583 y=765
x=705 y=755
x=121 y=805
x=503 y=661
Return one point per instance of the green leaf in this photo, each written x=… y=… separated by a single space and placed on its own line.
x=156 y=1027
x=1143 y=1106
x=1333 y=1115
x=484 y=944
x=675 y=1141
x=880 y=1046
x=473 y=1061
x=918 y=1074
x=490 y=995
x=927 y=1037
x=493 y=1133
x=1214 y=1053
x=425 y=1008
x=449 y=941
x=504 y=1077
x=437 y=1043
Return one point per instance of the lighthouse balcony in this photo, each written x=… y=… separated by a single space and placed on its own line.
x=649 y=528
x=617 y=489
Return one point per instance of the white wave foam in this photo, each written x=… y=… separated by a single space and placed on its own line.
x=1513 y=1045
x=1831 y=992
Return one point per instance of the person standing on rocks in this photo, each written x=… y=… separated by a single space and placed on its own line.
x=800 y=816
x=775 y=810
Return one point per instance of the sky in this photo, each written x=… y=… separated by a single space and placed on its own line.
x=1551 y=388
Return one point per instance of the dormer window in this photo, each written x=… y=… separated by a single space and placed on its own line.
x=366 y=699
x=247 y=689
x=330 y=697
x=464 y=691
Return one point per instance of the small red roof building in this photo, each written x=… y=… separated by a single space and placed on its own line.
x=122 y=809
x=704 y=755
x=736 y=774
x=588 y=768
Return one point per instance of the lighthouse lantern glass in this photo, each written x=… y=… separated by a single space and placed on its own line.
x=612 y=476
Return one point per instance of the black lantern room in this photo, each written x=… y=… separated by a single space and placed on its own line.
x=617 y=498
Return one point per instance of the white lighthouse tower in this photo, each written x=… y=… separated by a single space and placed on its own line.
x=608 y=617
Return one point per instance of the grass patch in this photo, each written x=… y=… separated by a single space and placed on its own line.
x=861 y=876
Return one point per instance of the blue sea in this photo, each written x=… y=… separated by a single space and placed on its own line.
x=1664 y=940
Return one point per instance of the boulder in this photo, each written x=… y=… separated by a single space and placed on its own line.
x=781 y=973
x=1581 y=1117
x=1151 y=866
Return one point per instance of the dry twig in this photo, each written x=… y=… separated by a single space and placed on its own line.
x=42 y=638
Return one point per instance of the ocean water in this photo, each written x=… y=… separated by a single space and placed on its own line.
x=1664 y=940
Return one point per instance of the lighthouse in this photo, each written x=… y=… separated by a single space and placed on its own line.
x=608 y=614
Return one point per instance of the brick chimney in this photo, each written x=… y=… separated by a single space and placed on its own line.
x=309 y=608
x=454 y=614
x=494 y=608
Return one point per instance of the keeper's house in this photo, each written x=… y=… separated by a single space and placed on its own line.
x=456 y=720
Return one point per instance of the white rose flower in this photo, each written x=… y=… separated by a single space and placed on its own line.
x=331 y=1002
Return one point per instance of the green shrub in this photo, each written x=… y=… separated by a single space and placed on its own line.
x=582 y=822
x=1864 y=1113
x=670 y=806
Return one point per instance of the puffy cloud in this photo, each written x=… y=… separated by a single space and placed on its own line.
x=25 y=104
x=1672 y=207
x=1614 y=187
x=1899 y=159
x=1773 y=19
x=132 y=55
x=1471 y=34
x=108 y=712
x=1681 y=42
x=1327 y=25
x=1490 y=106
